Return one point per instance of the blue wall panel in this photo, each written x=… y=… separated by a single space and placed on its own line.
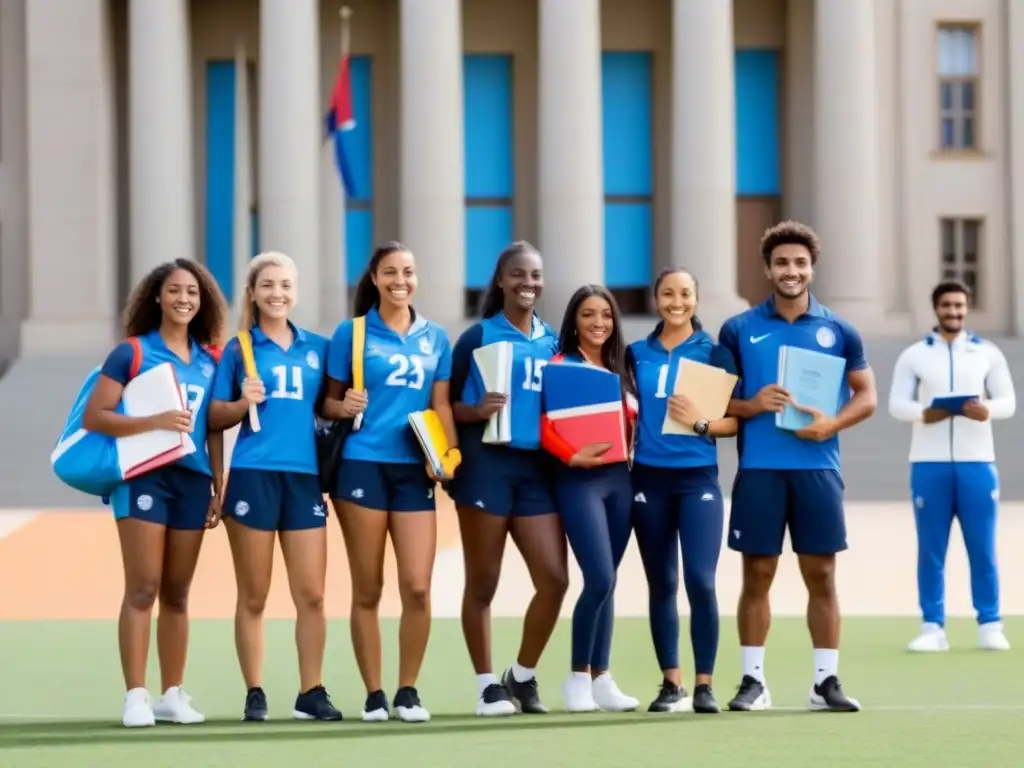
x=220 y=172
x=359 y=239
x=627 y=101
x=757 y=123
x=488 y=231
x=628 y=244
x=489 y=159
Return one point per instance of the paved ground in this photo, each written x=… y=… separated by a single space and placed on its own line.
x=66 y=565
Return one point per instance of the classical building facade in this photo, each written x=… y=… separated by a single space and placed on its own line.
x=620 y=136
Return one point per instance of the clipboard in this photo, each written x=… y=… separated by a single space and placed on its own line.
x=709 y=389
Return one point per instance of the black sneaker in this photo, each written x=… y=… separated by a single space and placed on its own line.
x=408 y=707
x=671 y=698
x=751 y=696
x=495 y=701
x=315 y=704
x=704 y=700
x=255 y=705
x=376 y=708
x=829 y=697
x=525 y=696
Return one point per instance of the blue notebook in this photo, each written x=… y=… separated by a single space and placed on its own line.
x=952 y=404
x=813 y=379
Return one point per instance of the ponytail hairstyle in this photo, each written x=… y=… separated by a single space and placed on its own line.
x=250 y=312
x=695 y=322
x=367 y=296
x=494 y=297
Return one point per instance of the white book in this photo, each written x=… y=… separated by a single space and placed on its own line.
x=148 y=394
x=494 y=362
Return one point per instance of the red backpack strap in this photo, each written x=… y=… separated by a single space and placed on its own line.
x=215 y=351
x=558 y=358
x=136 y=357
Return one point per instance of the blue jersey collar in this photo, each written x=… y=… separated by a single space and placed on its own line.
x=814 y=308
x=697 y=337
x=537 y=328
x=374 y=319
x=259 y=337
x=194 y=348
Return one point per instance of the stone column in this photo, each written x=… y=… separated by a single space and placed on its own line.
x=570 y=196
x=161 y=177
x=432 y=206
x=290 y=137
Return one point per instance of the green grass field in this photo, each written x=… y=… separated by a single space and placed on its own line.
x=61 y=691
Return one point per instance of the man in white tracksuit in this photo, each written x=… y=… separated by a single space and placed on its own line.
x=952 y=461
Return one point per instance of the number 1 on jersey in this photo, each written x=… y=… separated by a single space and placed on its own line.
x=281 y=388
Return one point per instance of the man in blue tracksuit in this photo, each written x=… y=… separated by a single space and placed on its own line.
x=952 y=461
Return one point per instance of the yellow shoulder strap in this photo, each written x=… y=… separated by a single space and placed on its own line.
x=358 y=344
x=248 y=358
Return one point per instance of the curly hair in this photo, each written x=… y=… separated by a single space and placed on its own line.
x=494 y=298
x=613 y=351
x=790 y=233
x=143 y=314
x=367 y=295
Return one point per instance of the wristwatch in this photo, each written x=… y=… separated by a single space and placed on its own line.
x=701 y=427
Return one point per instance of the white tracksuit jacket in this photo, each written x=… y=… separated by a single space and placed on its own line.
x=969 y=365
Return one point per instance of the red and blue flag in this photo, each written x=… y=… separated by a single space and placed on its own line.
x=341 y=119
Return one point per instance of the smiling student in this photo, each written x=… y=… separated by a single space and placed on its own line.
x=273 y=490
x=383 y=485
x=677 y=498
x=502 y=489
x=175 y=314
x=594 y=499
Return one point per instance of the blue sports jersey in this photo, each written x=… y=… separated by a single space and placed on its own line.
x=399 y=374
x=292 y=379
x=194 y=377
x=754 y=338
x=655 y=370
x=529 y=356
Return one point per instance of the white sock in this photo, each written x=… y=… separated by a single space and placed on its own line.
x=580 y=677
x=521 y=674
x=482 y=681
x=753 y=661
x=826 y=664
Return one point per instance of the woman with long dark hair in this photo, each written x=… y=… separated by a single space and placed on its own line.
x=594 y=499
x=677 y=499
x=273 y=490
x=383 y=486
x=175 y=315
x=502 y=489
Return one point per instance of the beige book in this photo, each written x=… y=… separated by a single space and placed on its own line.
x=707 y=387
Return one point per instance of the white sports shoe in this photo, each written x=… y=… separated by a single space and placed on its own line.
x=609 y=697
x=577 y=690
x=931 y=639
x=175 y=706
x=991 y=637
x=137 y=712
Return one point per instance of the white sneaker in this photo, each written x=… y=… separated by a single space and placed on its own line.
x=609 y=697
x=991 y=637
x=409 y=708
x=932 y=639
x=495 y=701
x=577 y=690
x=175 y=706
x=137 y=711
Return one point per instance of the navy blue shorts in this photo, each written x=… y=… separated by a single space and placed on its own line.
x=766 y=501
x=170 y=496
x=268 y=500
x=506 y=481
x=387 y=487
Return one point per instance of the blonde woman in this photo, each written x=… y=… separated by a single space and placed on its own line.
x=273 y=489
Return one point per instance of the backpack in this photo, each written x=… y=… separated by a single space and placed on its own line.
x=88 y=461
x=331 y=435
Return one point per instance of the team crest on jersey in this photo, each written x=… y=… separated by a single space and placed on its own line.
x=207 y=369
x=313 y=360
x=425 y=345
x=825 y=337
